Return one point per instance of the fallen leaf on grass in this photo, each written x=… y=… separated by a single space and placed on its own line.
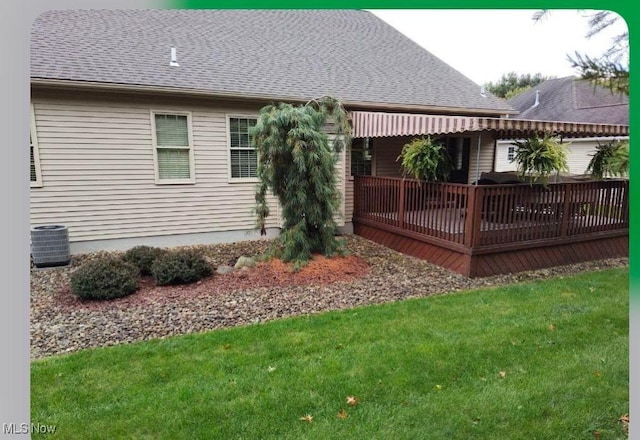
x=502 y=374
x=552 y=327
x=352 y=400
x=271 y=369
x=307 y=418
x=438 y=387
x=625 y=423
x=597 y=373
x=342 y=414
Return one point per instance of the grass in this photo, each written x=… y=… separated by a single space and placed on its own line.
x=542 y=360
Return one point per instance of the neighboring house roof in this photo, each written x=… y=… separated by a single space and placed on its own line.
x=572 y=100
x=282 y=54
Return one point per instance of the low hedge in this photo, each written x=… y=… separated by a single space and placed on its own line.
x=143 y=257
x=180 y=267
x=105 y=278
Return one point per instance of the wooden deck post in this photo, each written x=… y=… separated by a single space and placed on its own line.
x=472 y=212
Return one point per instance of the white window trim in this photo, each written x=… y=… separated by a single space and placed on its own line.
x=228 y=134
x=192 y=167
x=36 y=151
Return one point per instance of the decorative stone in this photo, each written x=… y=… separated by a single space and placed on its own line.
x=244 y=262
x=224 y=269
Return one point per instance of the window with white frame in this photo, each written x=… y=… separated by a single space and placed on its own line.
x=243 y=157
x=361 y=157
x=511 y=154
x=34 y=154
x=173 y=149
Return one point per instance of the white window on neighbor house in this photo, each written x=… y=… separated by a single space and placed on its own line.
x=34 y=154
x=173 y=147
x=361 y=156
x=511 y=154
x=243 y=157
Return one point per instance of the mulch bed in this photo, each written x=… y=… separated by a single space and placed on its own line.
x=320 y=271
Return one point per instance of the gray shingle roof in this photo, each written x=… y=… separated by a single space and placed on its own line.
x=572 y=100
x=301 y=54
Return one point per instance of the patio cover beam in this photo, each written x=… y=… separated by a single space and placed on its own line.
x=378 y=124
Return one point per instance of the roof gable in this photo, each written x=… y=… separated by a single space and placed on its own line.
x=301 y=54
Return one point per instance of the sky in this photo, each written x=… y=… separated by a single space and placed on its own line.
x=485 y=44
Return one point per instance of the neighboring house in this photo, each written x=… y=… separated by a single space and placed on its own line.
x=572 y=100
x=139 y=118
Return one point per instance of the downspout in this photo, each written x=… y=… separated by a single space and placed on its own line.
x=478 y=158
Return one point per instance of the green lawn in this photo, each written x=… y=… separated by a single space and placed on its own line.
x=543 y=360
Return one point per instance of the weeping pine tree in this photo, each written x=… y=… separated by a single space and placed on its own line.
x=297 y=162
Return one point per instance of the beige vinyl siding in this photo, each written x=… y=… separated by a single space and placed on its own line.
x=343 y=181
x=35 y=176
x=348 y=188
x=96 y=155
x=341 y=184
x=485 y=164
x=579 y=152
x=502 y=157
x=386 y=151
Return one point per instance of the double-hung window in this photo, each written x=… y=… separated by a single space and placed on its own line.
x=361 y=157
x=243 y=157
x=173 y=147
x=34 y=154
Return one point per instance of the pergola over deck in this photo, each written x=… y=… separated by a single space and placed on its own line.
x=492 y=229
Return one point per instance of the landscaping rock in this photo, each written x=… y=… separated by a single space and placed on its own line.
x=244 y=262
x=62 y=323
x=224 y=269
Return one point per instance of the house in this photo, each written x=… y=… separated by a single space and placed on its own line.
x=139 y=135
x=568 y=99
x=139 y=117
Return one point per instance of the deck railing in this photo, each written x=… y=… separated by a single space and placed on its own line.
x=492 y=215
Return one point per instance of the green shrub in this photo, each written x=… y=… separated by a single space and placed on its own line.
x=143 y=257
x=180 y=267
x=105 y=278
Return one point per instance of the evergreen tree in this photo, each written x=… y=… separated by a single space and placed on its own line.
x=297 y=161
x=512 y=84
x=612 y=67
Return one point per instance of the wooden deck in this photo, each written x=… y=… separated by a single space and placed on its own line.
x=488 y=230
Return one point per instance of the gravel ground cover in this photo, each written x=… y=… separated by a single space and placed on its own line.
x=370 y=274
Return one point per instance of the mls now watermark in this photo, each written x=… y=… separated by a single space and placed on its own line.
x=28 y=428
